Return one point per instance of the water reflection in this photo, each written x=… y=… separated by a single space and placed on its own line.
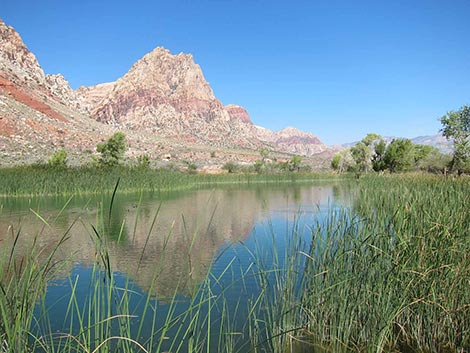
x=170 y=238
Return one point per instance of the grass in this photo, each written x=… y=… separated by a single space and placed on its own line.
x=41 y=180
x=393 y=272
x=390 y=273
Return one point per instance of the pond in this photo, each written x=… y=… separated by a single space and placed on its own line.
x=154 y=267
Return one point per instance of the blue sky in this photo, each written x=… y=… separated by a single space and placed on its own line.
x=338 y=69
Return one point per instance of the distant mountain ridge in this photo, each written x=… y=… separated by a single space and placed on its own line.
x=162 y=96
x=438 y=141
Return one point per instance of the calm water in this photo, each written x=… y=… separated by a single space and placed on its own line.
x=164 y=244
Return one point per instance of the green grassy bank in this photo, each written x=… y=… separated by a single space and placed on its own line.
x=44 y=180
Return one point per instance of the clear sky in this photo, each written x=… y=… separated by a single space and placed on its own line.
x=338 y=69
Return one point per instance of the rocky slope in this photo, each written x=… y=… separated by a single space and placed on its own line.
x=167 y=94
x=163 y=104
x=38 y=113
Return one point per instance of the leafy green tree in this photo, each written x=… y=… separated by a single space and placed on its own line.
x=191 y=167
x=378 y=163
x=422 y=151
x=363 y=153
x=294 y=163
x=59 y=159
x=264 y=153
x=371 y=139
x=399 y=155
x=259 y=166
x=342 y=161
x=435 y=161
x=456 y=127
x=230 y=167
x=112 y=151
x=336 y=162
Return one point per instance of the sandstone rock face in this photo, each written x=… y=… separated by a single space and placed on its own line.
x=92 y=96
x=298 y=142
x=16 y=59
x=238 y=113
x=167 y=94
x=59 y=87
x=20 y=67
x=38 y=113
x=291 y=140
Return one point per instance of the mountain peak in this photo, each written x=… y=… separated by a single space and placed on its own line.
x=239 y=113
x=163 y=96
x=15 y=57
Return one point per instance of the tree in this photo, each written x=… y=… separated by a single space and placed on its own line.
x=294 y=163
x=230 y=167
x=264 y=153
x=456 y=127
x=362 y=155
x=259 y=166
x=59 y=159
x=435 y=161
x=399 y=155
x=342 y=161
x=191 y=167
x=371 y=139
x=362 y=152
x=378 y=163
x=112 y=151
x=336 y=162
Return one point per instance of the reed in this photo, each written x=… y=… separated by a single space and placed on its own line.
x=394 y=270
x=43 y=180
x=110 y=315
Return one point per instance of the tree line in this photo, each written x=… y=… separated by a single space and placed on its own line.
x=374 y=153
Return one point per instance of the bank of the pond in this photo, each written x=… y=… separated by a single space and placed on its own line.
x=43 y=180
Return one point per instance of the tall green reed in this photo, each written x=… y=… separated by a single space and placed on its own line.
x=393 y=271
x=44 y=180
x=24 y=275
x=107 y=319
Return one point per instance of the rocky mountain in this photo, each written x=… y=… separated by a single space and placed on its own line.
x=163 y=104
x=438 y=141
x=292 y=140
x=168 y=95
x=38 y=113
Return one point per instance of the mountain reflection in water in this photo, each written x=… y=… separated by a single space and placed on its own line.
x=174 y=237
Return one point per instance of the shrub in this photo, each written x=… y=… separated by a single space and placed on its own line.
x=230 y=167
x=59 y=159
x=112 y=151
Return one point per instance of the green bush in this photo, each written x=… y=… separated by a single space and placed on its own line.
x=112 y=151
x=59 y=159
x=230 y=167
